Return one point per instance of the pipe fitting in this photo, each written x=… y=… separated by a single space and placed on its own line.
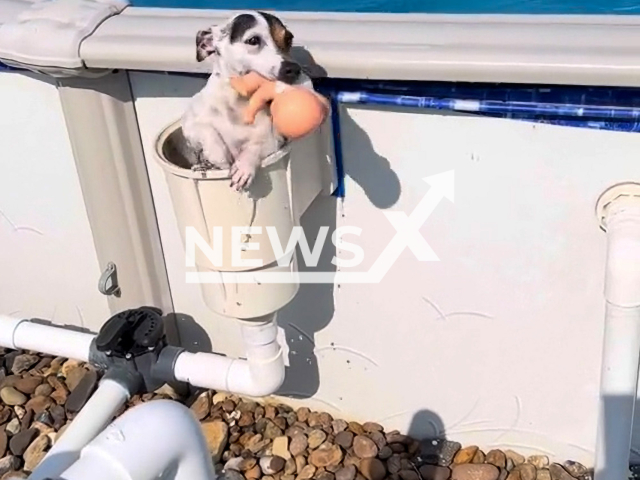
x=615 y=195
x=137 y=446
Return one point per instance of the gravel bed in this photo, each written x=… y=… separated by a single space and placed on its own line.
x=40 y=395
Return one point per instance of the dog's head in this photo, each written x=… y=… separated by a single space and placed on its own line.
x=254 y=41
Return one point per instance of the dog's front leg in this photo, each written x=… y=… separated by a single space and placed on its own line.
x=244 y=169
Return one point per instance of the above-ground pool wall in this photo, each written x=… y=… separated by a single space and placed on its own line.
x=47 y=256
x=499 y=342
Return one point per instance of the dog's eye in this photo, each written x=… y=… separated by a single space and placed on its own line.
x=253 y=41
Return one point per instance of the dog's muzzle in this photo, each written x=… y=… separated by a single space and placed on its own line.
x=289 y=72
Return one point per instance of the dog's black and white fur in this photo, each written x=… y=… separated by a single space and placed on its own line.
x=212 y=124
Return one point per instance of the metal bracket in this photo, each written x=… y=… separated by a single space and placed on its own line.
x=108 y=283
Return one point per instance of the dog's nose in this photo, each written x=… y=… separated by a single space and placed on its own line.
x=289 y=72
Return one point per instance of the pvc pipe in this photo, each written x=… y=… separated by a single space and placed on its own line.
x=141 y=445
x=90 y=421
x=621 y=352
x=23 y=334
x=261 y=374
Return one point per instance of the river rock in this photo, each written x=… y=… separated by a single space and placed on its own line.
x=575 y=469
x=280 y=447
x=496 y=458
x=38 y=404
x=11 y=396
x=316 y=438
x=23 y=362
x=82 y=391
x=434 y=472
x=233 y=475
x=409 y=475
x=272 y=465
x=346 y=473
x=372 y=469
x=526 y=471
x=35 y=452
x=364 y=447
x=538 y=461
x=202 y=405
x=543 y=475
x=344 y=439
x=8 y=464
x=559 y=473
x=307 y=472
x=27 y=384
x=471 y=471
x=43 y=390
x=5 y=414
x=19 y=442
x=515 y=457
x=465 y=455
x=216 y=434
x=326 y=454
x=13 y=426
x=299 y=444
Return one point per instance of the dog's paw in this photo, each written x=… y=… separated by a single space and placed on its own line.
x=242 y=175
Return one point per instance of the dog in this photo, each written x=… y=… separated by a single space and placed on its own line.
x=212 y=124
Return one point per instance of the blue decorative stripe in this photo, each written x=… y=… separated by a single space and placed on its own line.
x=492 y=106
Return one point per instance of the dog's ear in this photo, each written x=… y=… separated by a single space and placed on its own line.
x=204 y=44
x=208 y=40
x=281 y=35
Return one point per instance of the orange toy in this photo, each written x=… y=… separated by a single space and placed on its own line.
x=296 y=111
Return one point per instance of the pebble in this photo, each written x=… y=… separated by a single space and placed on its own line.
x=559 y=473
x=538 y=461
x=38 y=404
x=372 y=469
x=409 y=475
x=478 y=457
x=8 y=464
x=356 y=428
x=272 y=465
x=470 y=471
x=543 y=475
x=575 y=469
x=233 y=475
x=515 y=457
x=298 y=445
x=11 y=396
x=19 y=442
x=3 y=443
x=253 y=473
x=326 y=454
x=13 y=426
x=338 y=426
x=280 y=447
x=496 y=458
x=27 y=384
x=202 y=405
x=465 y=455
x=23 y=362
x=370 y=427
x=434 y=472
x=526 y=471
x=346 y=473
x=344 y=439
x=301 y=462
x=290 y=466
x=307 y=472
x=316 y=438
x=5 y=414
x=81 y=392
x=13 y=475
x=384 y=453
x=36 y=452
x=216 y=434
x=364 y=447
x=44 y=390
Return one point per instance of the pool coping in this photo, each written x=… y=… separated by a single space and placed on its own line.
x=541 y=49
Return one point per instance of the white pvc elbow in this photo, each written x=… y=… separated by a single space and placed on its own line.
x=141 y=445
x=261 y=374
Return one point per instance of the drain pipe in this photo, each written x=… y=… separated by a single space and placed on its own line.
x=115 y=389
x=618 y=210
x=141 y=445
